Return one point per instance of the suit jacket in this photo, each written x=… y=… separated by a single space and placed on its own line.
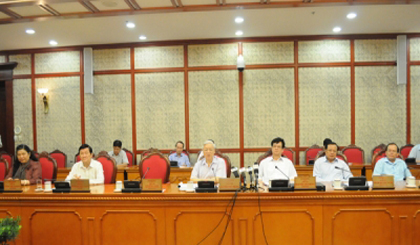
x=33 y=172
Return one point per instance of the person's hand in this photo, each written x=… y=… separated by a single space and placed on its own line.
x=24 y=182
x=76 y=176
x=10 y=178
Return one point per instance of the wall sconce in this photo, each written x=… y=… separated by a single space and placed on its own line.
x=44 y=97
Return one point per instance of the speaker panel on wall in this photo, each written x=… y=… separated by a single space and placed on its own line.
x=88 y=70
x=401 y=59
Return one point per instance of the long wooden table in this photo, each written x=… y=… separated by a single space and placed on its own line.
x=174 y=217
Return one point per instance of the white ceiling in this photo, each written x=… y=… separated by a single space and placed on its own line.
x=206 y=24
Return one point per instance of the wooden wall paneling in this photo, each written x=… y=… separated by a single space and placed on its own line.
x=296 y=67
x=186 y=105
x=91 y=231
x=34 y=93
x=133 y=105
x=46 y=226
x=415 y=228
x=408 y=93
x=134 y=226
x=82 y=97
x=352 y=94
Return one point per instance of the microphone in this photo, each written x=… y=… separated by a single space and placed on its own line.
x=242 y=172
x=214 y=174
x=343 y=169
x=235 y=172
x=251 y=179
x=256 y=169
x=363 y=171
x=147 y=170
x=283 y=173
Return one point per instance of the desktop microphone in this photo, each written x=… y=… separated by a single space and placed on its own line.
x=343 y=169
x=251 y=179
x=234 y=170
x=256 y=169
x=283 y=173
x=242 y=172
x=147 y=170
x=214 y=174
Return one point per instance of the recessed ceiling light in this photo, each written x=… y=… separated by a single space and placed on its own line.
x=351 y=15
x=239 y=20
x=53 y=42
x=30 y=31
x=239 y=33
x=337 y=29
x=130 y=24
x=142 y=37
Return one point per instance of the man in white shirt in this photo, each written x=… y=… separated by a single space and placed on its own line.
x=329 y=167
x=209 y=167
x=119 y=155
x=276 y=166
x=87 y=168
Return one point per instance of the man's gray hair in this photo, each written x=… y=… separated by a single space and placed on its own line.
x=209 y=142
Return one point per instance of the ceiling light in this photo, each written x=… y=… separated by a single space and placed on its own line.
x=337 y=29
x=53 y=42
x=130 y=24
x=239 y=20
x=351 y=15
x=30 y=31
x=142 y=37
x=239 y=33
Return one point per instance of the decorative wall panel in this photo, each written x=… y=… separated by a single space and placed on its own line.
x=380 y=108
x=415 y=102
x=269 y=107
x=415 y=49
x=2 y=59
x=375 y=50
x=53 y=62
x=108 y=112
x=324 y=51
x=157 y=57
x=235 y=159
x=214 y=108
x=268 y=53
x=24 y=64
x=22 y=111
x=111 y=59
x=212 y=54
x=324 y=105
x=160 y=110
x=60 y=128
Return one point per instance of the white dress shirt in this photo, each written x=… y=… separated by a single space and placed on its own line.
x=201 y=169
x=120 y=158
x=326 y=171
x=94 y=172
x=267 y=169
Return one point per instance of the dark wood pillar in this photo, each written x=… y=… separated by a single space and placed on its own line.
x=6 y=107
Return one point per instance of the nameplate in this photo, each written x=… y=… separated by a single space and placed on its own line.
x=383 y=182
x=153 y=185
x=305 y=182
x=79 y=184
x=12 y=185
x=228 y=184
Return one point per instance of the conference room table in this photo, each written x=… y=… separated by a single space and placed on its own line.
x=176 y=217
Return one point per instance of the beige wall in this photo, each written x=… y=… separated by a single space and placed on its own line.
x=269 y=103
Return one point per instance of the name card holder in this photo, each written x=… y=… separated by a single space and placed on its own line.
x=80 y=185
x=151 y=185
x=383 y=182
x=305 y=183
x=229 y=185
x=11 y=186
